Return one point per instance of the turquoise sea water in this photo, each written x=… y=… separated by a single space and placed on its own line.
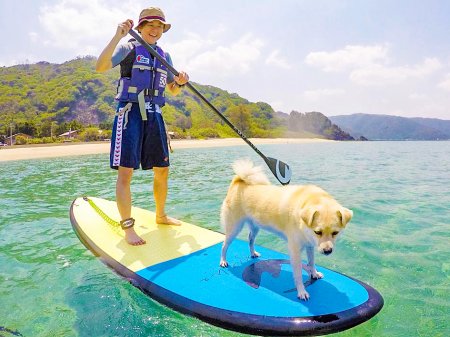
x=398 y=241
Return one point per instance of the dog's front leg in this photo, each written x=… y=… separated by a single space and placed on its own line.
x=296 y=263
x=311 y=264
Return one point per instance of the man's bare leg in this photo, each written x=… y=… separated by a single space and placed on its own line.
x=160 y=187
x=123 y=199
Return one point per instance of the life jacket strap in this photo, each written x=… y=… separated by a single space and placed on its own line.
x=146 y=92
x=132 y=90
x=162 y=71
x=124 y=111
x=142 y=67
x=168 y=136
x=141 y=101
x=151 y=93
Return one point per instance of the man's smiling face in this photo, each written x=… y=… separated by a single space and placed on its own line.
x=152 y=31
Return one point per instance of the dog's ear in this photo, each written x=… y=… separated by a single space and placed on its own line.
x=345 y=215
x=308 y=215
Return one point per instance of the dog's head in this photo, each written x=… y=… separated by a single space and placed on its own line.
x=324 y=225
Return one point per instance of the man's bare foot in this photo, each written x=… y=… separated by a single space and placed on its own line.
x=167 y=220
x=132 y=238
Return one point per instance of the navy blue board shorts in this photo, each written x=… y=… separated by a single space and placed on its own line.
x=136 y=142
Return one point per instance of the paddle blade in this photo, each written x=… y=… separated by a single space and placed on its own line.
x=280 y=170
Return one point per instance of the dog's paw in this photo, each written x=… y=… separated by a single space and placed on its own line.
x=303 y=295
x=223 y=263
x=255 y=254
x=316 y=275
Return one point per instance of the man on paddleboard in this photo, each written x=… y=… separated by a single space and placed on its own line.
x=139 y=135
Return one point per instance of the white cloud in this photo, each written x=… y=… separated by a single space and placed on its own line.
x=189 y=47
x=224 y=61
x=369 y=65
x=417 y=96
x=349 y=57
x=274 y=59
x=315 y=95
x=80 y=25
x=86 y=26
x=34 y=37
x=445 y=84
x=19 y=58
x=377 y=74
x=278 y=105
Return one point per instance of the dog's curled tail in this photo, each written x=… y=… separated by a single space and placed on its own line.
x=247 y=172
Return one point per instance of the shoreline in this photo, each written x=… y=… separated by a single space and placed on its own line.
x=80 y=149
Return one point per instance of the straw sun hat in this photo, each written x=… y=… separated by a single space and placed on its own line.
x=152 y=14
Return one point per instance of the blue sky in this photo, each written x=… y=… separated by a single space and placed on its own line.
x=338 y=57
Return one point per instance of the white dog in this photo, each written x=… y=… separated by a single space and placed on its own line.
x=306 y=216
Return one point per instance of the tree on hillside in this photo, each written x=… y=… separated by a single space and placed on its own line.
x=183 y=122
x=240 y=116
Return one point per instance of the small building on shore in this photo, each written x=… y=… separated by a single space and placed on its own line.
x=12 y=140
x=69 y=135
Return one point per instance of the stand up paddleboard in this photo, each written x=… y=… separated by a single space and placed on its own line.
x=179 y=267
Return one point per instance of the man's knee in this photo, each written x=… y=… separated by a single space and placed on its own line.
x=161 y=172
x=125 y=175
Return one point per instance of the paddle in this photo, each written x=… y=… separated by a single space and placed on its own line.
x=280 y=169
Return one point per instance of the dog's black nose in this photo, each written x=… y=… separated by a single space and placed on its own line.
x=327 y=251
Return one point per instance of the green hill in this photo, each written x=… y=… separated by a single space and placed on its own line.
x=316 y=123
x=384 y=127
x=46 y=99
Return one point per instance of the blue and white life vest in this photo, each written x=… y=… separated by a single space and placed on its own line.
x=148 y=79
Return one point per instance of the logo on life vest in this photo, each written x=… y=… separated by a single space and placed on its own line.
x=142 y=59
x=163 y=80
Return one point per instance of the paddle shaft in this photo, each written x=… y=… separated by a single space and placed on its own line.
x=213 y=108
x=195 y=91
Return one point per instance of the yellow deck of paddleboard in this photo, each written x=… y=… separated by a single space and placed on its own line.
x=163 y=242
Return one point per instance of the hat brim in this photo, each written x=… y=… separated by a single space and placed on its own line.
x=166 y=25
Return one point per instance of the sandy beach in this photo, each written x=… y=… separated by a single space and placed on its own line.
x=78 y=149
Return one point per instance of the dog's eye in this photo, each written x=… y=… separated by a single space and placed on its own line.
x=335 y=233
x=318 y=233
